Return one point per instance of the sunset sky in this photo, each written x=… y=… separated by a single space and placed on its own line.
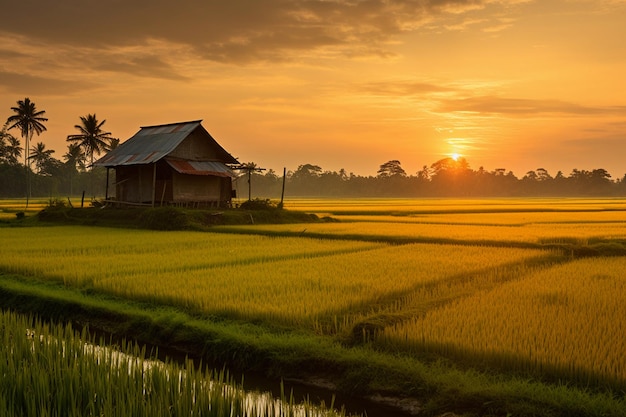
x=515 y=84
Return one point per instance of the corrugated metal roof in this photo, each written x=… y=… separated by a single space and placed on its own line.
x=153 y=143
x=201 y=167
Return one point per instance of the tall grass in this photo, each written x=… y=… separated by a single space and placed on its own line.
x=567 y=321
x=49 y=370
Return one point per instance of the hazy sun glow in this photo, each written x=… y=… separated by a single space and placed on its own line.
x=504 y=84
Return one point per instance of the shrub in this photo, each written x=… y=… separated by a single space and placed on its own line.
x=164 y=218
x=258 y=204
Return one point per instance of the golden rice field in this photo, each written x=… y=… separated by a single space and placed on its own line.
x=9 y=207
x=284 y=279
x=477 y=233
x=568 y=319
x=403 y=206
x=466 y=279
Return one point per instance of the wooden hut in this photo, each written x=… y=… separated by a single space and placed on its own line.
x=177 y=163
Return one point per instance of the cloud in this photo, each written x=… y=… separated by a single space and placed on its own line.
x=235 y=31
x=524 y=107
x=143 y=66
x=404 y=88
x=15 y=83
x=7 y=54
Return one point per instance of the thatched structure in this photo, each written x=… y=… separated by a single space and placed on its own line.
x=178 y=163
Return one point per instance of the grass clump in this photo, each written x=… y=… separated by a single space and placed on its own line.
x=51 y=370
x=164 y=218
x=259 y=204
x=173 y=218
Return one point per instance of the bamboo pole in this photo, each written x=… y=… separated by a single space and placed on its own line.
x=106 y=188
x=282 y=193
x=154 y=184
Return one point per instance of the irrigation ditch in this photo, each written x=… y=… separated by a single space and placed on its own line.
x=117 y=328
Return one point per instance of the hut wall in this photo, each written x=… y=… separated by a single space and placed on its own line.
x=195 y=147
x=134 y=183
x=196 y=188
x=164 y=185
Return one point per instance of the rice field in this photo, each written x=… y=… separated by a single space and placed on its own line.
x=468 y=280
x=565 y=320
x=79 y=378
x=400 y=206
x=388 y=229
x=295 y=281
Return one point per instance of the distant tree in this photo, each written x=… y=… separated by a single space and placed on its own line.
x=307 y=171
x=499 y=172
x=600 y=181
x=600 y=175
x=92 y=139
x=114 y=143
x=74 y=157
x=391 y=169
x=29 y=121
x=452 y=177
x=10 y=147
x=305 y=180
x=542 y=175
x=424 y=173
x=449 y=165
x=530 y=176
x=40 y=155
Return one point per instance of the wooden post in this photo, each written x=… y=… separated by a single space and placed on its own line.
x=249 y=184
x=153 y=184
x=282 y=193
x=106 y=189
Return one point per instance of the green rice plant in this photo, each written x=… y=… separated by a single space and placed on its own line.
x=567 y=321
x=292 y=281
x=49 y=370
x=79 y=255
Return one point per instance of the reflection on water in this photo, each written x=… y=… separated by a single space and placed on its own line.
x=185 y=380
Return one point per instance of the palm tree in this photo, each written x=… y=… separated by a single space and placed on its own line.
x=91 y=138
x=10 y=149
x=40 y=155
x=29 y=121
x=114 y=143
x=73 y=157
x=13 y=150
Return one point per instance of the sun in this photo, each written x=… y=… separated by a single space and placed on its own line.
x=455 y=156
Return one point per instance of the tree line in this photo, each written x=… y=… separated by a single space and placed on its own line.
x=41 y=173
x=447 y=177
